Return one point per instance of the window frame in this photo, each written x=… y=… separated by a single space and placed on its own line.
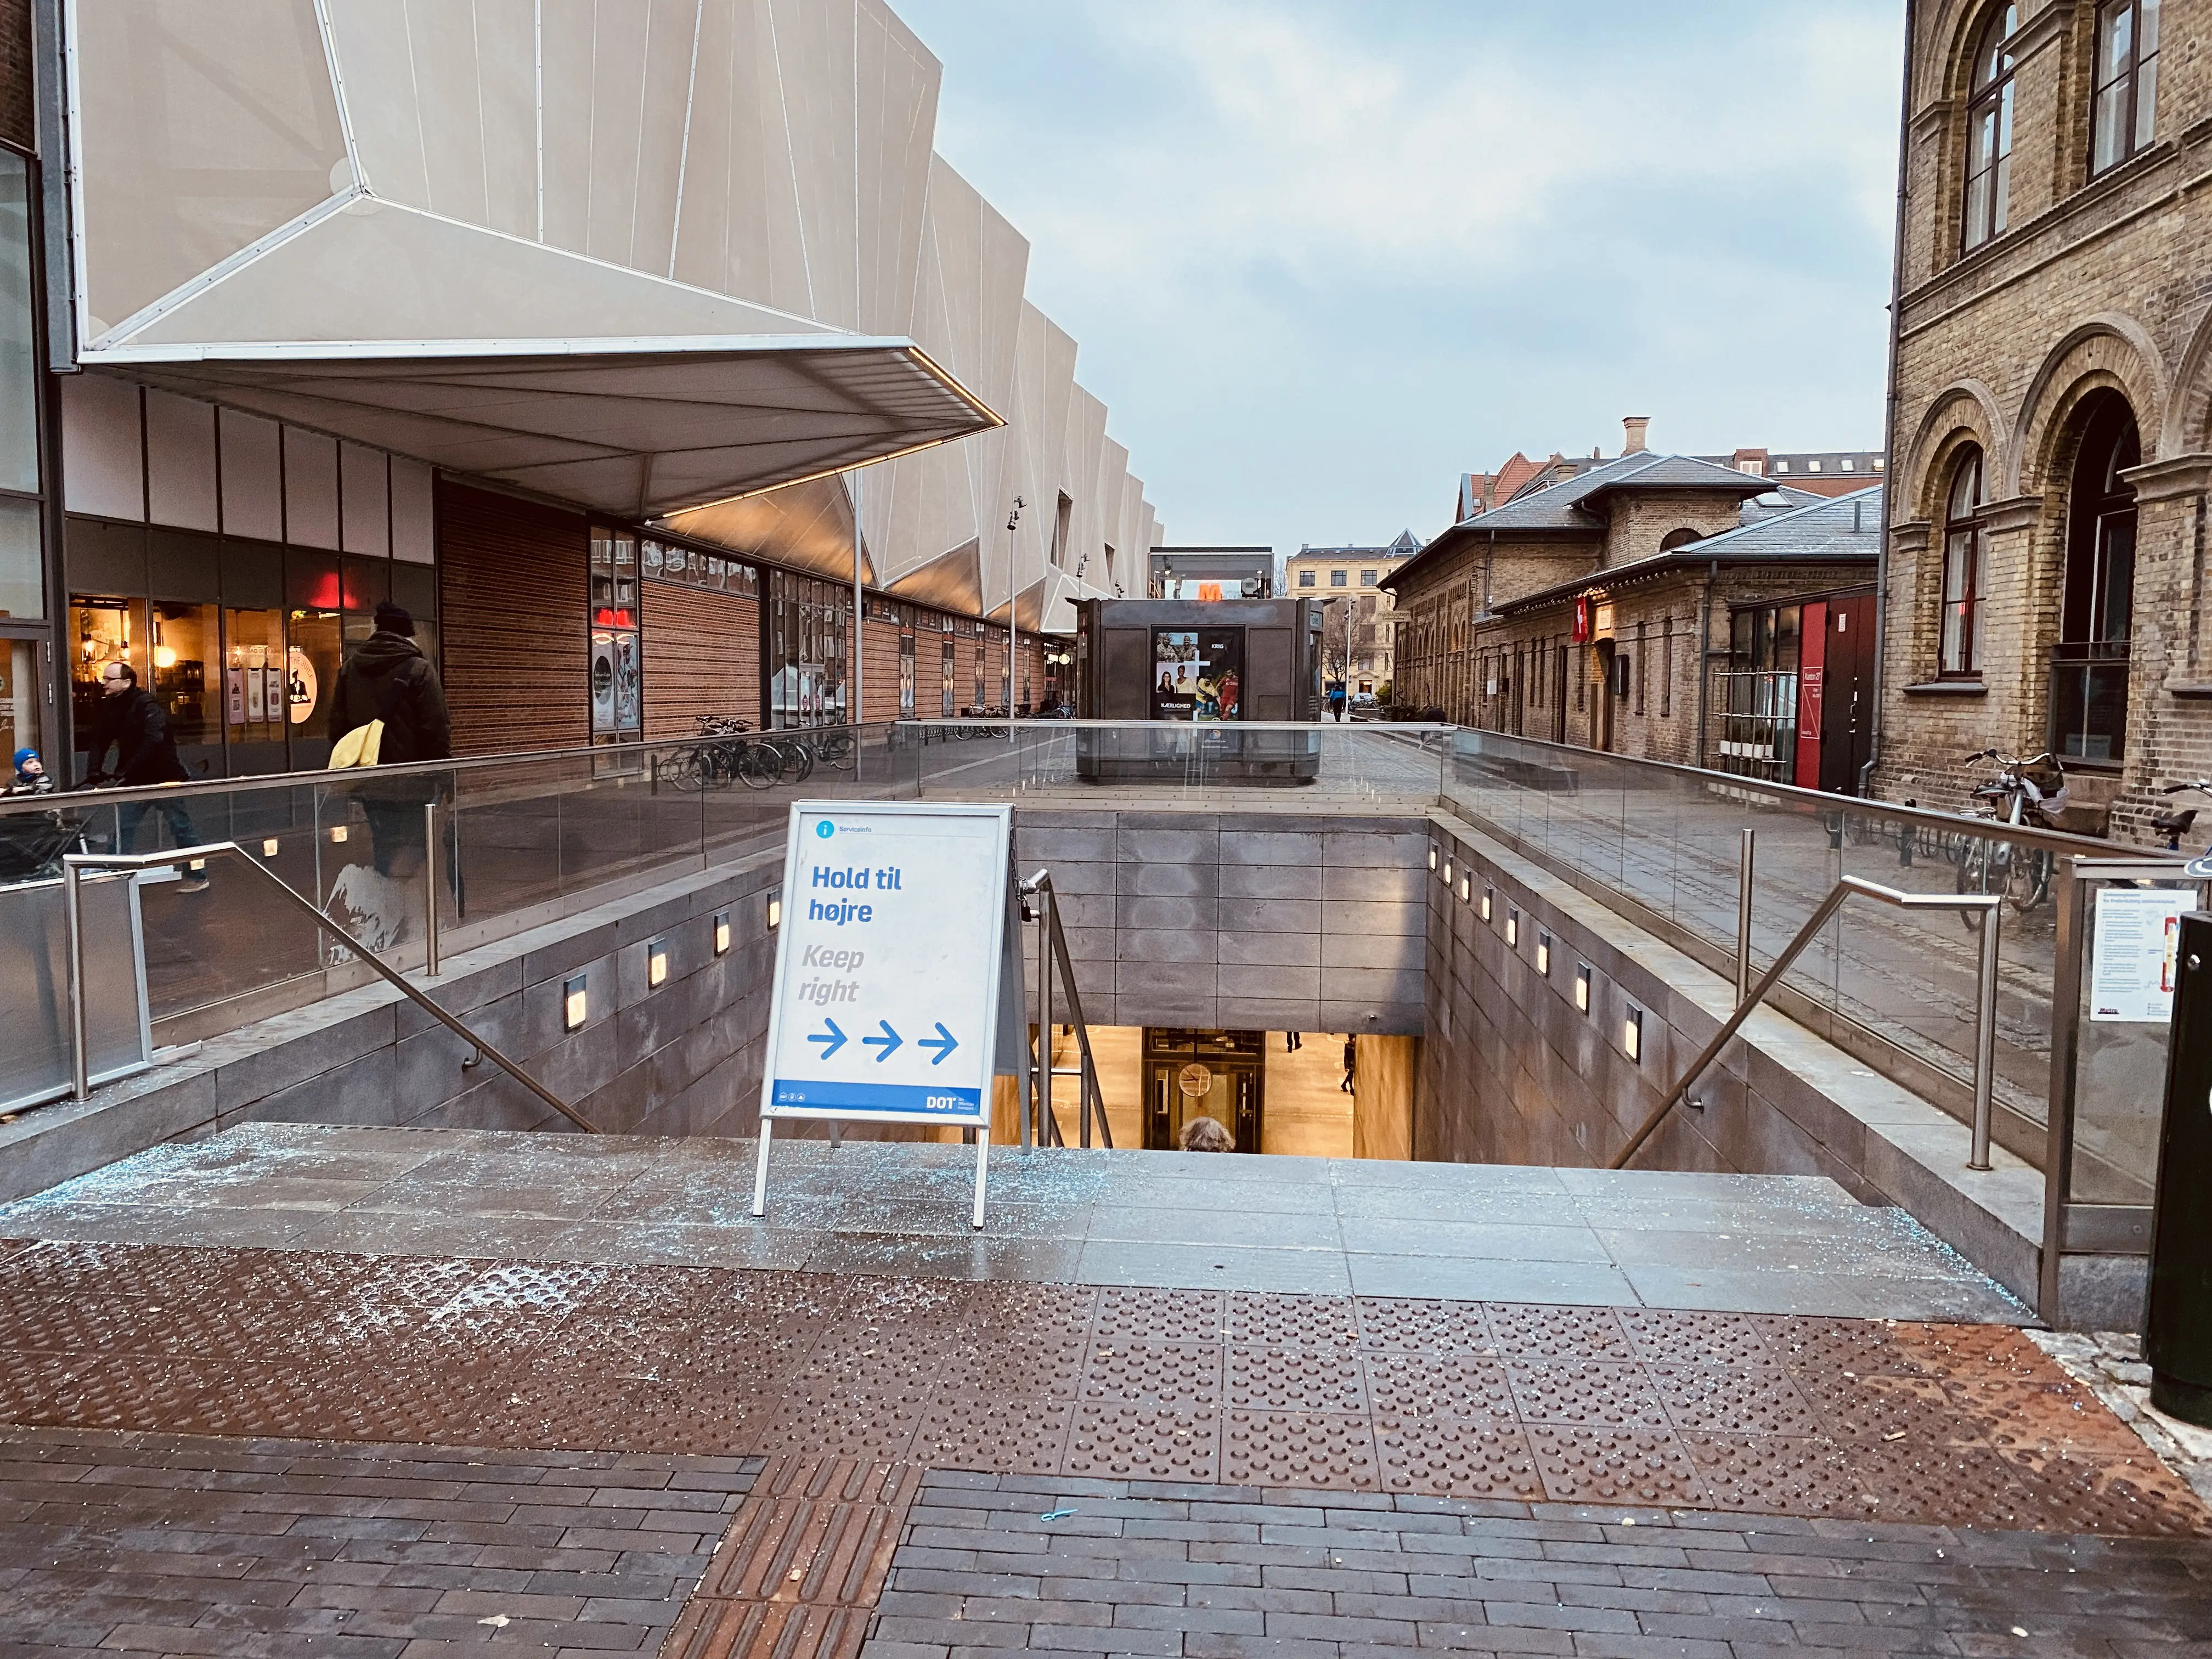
x=2128 y=81
x=1964 y=535
x=1982 y=223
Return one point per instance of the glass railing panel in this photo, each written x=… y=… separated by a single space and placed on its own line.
x=2119 y=1074
x=508 y=837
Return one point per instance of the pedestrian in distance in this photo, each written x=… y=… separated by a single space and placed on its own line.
x=1292 y=1041
x=1351 y=1060
x=31 y=777
x=134 y=724
x=1206 y=1135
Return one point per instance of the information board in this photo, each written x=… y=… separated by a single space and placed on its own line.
x=888 y=960
x=2131 y=957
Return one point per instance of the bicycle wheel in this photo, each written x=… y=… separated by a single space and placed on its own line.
x=836 y=751
x=798 y=760
x=757 y=765
x=686 y=771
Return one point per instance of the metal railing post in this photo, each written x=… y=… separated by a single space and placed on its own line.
x=1781 y=965
x=430 y=964
x=1743 y=880
x=1044 y=1118
x=79 y=1019
x=1985 y=1040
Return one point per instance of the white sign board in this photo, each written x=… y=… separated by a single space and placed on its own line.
x=887 y=965
x=2132 y=953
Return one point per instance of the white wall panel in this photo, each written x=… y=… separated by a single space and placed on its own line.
x=365 y=499
x=180 y=466
x=252 y=477
x=413 y=520
x=101 y=438
x=311 y=489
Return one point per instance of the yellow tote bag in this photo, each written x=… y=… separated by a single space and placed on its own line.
x=358 y=747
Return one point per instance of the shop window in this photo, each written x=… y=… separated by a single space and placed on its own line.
x=1959 y=647
x=254 y=686
x=618 y=672
x=103 y=628
x=185 y=647
x=807 y=650
x=978 y=703
x=906 y=675
x=949 y=673
x=2124 y=112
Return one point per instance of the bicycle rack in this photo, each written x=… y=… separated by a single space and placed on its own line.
x=1985 y=1026
x=73 y=867
x=1052 y=949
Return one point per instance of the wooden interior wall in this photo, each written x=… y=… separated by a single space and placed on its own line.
x=879 y=686
x=512 y=622
x=702 y=653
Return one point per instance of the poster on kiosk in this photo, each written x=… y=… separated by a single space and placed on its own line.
x=888 y=961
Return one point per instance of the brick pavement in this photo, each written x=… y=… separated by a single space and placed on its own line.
x=175 y=1544
x=993 y=1563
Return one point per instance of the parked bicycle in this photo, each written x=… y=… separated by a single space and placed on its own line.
x=2174 y=826
x=724 y=756
x=2022 y=875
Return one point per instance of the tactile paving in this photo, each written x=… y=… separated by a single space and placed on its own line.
x=1321 y=1451
x=1440 y=1458
x=1953 y=1425
x=1126 y=1442
x=1297 y=1379
x=1614 y=1466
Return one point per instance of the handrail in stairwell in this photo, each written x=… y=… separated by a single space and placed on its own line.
x=1052 y=949
x=73 y=867
x=1985 y=1031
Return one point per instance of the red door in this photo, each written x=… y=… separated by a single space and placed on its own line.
x=1813 y=646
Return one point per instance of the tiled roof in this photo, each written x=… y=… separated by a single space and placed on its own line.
x=1843 y=527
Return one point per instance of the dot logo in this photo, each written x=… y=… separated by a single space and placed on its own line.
x=825 y=829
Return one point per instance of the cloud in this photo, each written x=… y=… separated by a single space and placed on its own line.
x=1323 y=257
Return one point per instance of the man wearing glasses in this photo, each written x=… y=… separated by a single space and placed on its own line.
x=134 y=723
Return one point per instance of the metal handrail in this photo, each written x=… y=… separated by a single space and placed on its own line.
x=73 y=867
x=1985 y=1033
x=1052 y=940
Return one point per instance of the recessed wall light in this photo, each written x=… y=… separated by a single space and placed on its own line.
x=338 y=835
x=1632 y=1035
x=721 y=932
x=1489 y=900
x=1432 y=855
x=656 y=963
x=775 y=910
x=1582 y=987
x=575 y=1005
x=1465 y=889
x=1544 y=954
x=1512 y=927
x=1448 y=872
x=268 y=847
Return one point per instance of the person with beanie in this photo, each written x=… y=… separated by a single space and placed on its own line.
x=31 y=777
x=386 y=678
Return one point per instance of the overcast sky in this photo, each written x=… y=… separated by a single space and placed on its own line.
x=1324 y=255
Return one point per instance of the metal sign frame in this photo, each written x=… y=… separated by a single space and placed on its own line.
x=986 y=1041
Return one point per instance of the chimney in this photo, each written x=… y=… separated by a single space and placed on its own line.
x=1633 y=428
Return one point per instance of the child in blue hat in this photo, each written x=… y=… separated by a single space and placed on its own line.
x=31 y=777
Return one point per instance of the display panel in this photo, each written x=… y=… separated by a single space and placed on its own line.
x=1198 y=673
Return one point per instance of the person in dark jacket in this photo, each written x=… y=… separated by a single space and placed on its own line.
x=386 y=678
x=135 y=724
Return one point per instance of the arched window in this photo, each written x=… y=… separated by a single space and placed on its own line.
x=2089 y=666
x=1988 y=132
x=1674 y=539
x=1960 y=655
x=2125 y=111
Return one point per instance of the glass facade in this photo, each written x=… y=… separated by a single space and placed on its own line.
x=617 y=665
x=806 y=661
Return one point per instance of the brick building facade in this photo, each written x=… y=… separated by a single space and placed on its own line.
x=2050 y=394
x=1586 y=609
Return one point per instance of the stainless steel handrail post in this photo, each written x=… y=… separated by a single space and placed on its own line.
x=430 y=964
x=1985 y=1040
x=1743 y=881
x=79 y=1020
x=1034 y=1098
x=1985 y=996
x=78 y=861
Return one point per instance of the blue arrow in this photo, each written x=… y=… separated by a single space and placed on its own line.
x=889 y=1040
x=942 y=1043
x=831 y=1040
